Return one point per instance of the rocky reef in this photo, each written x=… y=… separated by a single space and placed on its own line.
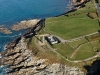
x=19 y=26
x=25 y=24
x=5 y=30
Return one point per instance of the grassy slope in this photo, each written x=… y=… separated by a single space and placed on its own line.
x=71 y=27
x=76 y=43
x=84 y=52
x=76 y=25
x=64 y=49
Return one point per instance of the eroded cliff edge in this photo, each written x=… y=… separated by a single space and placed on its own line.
x=23 y=62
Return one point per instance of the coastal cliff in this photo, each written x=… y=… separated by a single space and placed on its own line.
x=23 y=62
x=25 y=24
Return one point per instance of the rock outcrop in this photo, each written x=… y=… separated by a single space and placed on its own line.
x=94 y=69
x=78 y=1
x=23 y=62
x=25 y=24
x=20 y=26
x=5 y=30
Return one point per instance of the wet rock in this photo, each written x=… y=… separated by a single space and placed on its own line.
x=5 y=30
x=23 y=62
x=25 y=24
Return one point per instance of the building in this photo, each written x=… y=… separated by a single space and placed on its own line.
x=52 y=40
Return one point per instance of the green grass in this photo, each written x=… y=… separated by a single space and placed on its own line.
x=64 y=49
x=89 y=7
x=84 y=52
x=71 y=27
x=98 y=49
x=96 y=43
x=93 y=15
x=99 y=2
x=76 y=43
x=94 y=37
x=32 y=46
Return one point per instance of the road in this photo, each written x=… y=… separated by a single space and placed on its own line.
x=71 y=40
x=75 y=39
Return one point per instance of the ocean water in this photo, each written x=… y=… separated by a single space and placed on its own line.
x=13 y=11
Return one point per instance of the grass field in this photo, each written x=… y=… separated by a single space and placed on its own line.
x=99 y=2
x=64 y=49
x=85 y=51
x=85 y=48
x=76 y=43
x=94 y=37
x=74 y=25
x=71 y=27
x=67 y=28
x=77 y=24
x=89 y=7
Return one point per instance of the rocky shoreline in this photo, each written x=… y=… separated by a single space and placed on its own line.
x=75 y=4
x=19 y=26
x=25 y=24
x=5 y=30
x=23 y=62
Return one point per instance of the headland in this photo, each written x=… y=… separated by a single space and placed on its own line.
x=32 y=54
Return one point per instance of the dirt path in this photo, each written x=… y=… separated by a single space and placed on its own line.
x=71 y=40
x=41 y=48
x=73 y=54
x=53 y=50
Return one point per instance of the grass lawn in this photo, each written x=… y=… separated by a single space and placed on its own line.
x=84 y=52
x=96 y=43
x=71 y=27
x=99 y=2
x=74 y=25
x=94 y=37
x=32 y=46
x=89 y=7
x=64 y=49
x=76 y=43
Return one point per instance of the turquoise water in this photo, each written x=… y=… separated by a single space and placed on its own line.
x=12 y=11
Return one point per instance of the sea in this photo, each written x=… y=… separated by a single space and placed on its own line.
x=14 y=11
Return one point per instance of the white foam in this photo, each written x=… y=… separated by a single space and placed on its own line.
x=0 y=56
x=4 y=47
x=10 y=36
